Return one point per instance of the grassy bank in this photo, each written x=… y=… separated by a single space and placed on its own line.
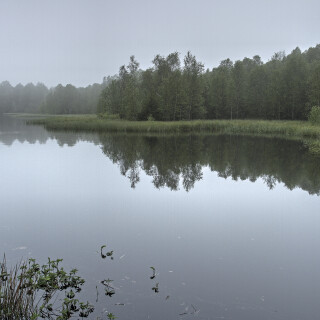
x=298 y=129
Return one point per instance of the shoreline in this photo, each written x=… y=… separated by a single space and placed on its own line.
x=91 y=123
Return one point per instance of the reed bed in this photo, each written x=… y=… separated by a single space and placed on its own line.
x=302 y=129
x=16 y=302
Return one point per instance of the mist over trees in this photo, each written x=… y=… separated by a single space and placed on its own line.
x=27 y=99
x=39 y=99
x=72 y=100
x=286 y=87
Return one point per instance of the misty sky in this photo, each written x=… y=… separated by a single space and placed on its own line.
x=80 y=41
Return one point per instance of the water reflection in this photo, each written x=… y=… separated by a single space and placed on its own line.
x=171 y=160
x=15 y=129
x=231 y=250
x=174 y=161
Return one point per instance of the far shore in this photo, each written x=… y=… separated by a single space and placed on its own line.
x=93 y=123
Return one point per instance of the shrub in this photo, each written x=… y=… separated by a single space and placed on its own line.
x=28 y=291
x=314 y=115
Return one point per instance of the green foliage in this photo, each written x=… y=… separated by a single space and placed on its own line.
x=314 y=115
x=314 y=85
x=313 y=146
x=107 y=116
x=282 y=88
x=29 y=291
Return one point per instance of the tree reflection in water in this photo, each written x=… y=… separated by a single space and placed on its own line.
x=172 y=160
x=177 y=160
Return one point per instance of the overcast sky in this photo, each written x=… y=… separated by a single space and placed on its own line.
x=80 y=41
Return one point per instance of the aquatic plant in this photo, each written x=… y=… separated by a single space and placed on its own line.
x=111 y=316
x=153 y=273
x=30 y=291
x=156 y=288
x=108 y=254
x=109 y=289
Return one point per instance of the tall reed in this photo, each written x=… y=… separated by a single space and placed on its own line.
x=16 y=300
x=301 y=129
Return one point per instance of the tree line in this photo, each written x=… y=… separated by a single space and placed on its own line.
x=39 y=99
x=27 y=99
x=285 y=87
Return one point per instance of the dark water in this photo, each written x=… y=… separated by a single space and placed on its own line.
x=231 y=224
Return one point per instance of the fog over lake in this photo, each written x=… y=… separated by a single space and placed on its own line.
x=230 y=223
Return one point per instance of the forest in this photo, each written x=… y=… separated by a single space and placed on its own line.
x=284 y=88
x=39 y=99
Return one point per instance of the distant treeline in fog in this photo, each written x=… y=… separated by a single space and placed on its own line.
x=285 y=87
x=39 y=99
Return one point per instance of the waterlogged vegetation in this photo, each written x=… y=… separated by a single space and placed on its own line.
x=108 y=254
x=29 y=291
x=306 y=131
x=254 y=127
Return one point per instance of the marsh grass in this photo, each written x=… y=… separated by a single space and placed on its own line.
x=301 y=129
x=15 y=301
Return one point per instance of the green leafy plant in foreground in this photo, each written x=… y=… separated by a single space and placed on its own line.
x=29 y=291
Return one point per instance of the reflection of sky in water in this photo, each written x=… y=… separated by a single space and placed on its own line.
x=233 y=249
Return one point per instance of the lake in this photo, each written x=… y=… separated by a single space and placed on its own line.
x=231 y=224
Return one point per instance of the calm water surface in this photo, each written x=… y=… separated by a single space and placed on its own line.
x=231 y=224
